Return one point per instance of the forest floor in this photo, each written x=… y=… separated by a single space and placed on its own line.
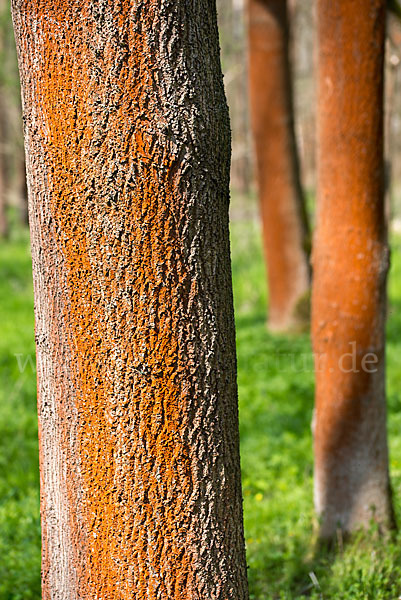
x=275 y=375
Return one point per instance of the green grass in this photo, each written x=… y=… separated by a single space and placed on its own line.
x=19 y=480
x=276 y=399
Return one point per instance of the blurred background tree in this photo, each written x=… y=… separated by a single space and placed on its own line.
x=232 y=24
x=286 y=236
x=233 y=46
x=13 y=191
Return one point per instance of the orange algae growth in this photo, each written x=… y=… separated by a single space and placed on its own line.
x=121 y=316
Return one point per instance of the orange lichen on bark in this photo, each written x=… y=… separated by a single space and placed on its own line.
x=350 y=261
x=147 y=466
x=285 y=230
x=103 y=434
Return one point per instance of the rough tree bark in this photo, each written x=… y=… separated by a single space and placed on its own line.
x=350 y=262
x=285 y=228
x=128 y=144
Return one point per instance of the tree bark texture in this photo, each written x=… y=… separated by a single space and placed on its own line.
x=285 y=229
x=350 y=263
x=128 y=146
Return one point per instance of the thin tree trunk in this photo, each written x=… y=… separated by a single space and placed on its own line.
x=238 y=102
x=128 y=142
x=3 y=176
x=391 y=92
x=232 y=40
x=3 y=133
x=22 y=188
x=350 y=261
x=285 y=229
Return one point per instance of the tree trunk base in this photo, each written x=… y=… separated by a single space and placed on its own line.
x=298 y=321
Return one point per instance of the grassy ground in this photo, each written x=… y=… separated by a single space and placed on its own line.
x=276 y=398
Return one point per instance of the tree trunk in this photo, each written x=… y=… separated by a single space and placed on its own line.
x=3 y=176
x=3 y=131
x=350 y=262
x=285 y=229
x=232 y=41
x=22 y=188
x=128 y=145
